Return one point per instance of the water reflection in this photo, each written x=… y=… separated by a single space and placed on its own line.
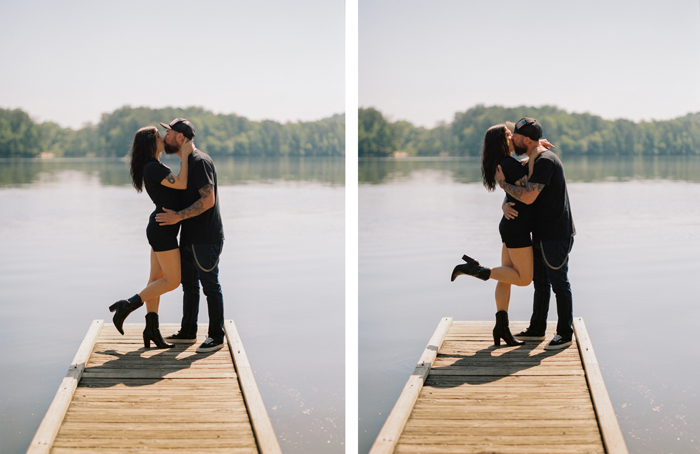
x=578 y=168
x=230 y=171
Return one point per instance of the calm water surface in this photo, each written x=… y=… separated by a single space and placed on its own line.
x=72 y=236
x=634 y=271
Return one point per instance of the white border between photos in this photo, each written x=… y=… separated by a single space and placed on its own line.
x=351 y=227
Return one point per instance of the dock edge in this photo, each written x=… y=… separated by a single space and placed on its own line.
x=262 y=427
x=613 y=441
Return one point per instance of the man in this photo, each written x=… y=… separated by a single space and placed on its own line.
x=553 y=233
x=201 y=241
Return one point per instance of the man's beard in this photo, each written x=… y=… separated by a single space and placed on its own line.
x=519 y=151
x=170 y=149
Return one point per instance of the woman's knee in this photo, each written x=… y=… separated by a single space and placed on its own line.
x=523 y=282
x=172 y=282
x=525 y=279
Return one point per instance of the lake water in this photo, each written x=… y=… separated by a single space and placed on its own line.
x=634 y=273
x=72 y=236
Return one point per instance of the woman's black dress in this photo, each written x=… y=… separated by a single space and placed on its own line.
x=515 y=233
x=161 y=238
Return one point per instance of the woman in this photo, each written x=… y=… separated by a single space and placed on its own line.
x=162 y=187
x=516 y=254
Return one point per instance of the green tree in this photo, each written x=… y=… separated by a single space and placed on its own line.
x=375 y=135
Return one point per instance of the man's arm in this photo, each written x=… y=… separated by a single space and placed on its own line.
x=206 y=201
x=526 y=194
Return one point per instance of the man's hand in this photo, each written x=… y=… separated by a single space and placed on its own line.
x=169 y=217
x=508 y=211
x=500 y=178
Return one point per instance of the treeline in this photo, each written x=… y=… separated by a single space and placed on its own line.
x=216 y=134
x=580 y=134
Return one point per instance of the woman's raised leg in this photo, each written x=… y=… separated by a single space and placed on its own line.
x=520 y=273
x=169 y=262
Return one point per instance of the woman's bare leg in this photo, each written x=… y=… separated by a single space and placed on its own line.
x=503 y=289
x=156 y=273
x=169 y=262
x=520 y=273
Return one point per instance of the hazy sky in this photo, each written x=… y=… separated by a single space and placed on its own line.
x=70 y=61
x=425 y=60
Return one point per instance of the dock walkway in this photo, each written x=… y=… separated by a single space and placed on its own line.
x=468 y=396
x=119 y=397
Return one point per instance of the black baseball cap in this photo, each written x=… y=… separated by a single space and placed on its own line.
x=527 y=127
x=181 y=125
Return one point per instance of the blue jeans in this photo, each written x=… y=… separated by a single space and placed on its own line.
x=547 y=277
x=200 y=263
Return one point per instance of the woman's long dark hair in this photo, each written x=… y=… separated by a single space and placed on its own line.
x=142 y=150
x=495 y=149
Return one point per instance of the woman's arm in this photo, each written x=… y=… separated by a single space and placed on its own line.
x=180 y=181
x=533 y=157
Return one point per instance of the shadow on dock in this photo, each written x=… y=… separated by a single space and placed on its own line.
x=134 y=369
x=483 y=367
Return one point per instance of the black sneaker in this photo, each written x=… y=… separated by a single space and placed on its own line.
x=180 y=338
x=210 y=345
x=557 y=342
x=528 y=335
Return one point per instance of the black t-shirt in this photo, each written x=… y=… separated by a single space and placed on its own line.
x=513 y=170
x=553 y=220
x=207 y=227
x=154 y=172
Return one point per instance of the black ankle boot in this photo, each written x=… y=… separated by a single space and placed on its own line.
x=502 y=330
x=122 y=309
x=472 y=268
x=152 y=333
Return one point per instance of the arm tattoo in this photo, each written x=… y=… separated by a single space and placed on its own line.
x=519 y=191
x=193 y=210
x=205 y=191
x=197 y=207
x=170 y=178
x=522 y=181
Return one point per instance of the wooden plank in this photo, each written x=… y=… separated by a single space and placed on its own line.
x=496 y=415
x=159 y=373
x=148 y=418
x=520 y=439
x=97 y=427
x=395 y=423
x=609 y=426
x=262 y=427
x=503 y=423
x=46 y=434
x=156 y=443
x=140 y=450
x=182 y=432
x=478 y=430
x=157 y=383
x=489 y=449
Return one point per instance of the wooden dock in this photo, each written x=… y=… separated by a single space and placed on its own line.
x=119 y=397
x=468 y=396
